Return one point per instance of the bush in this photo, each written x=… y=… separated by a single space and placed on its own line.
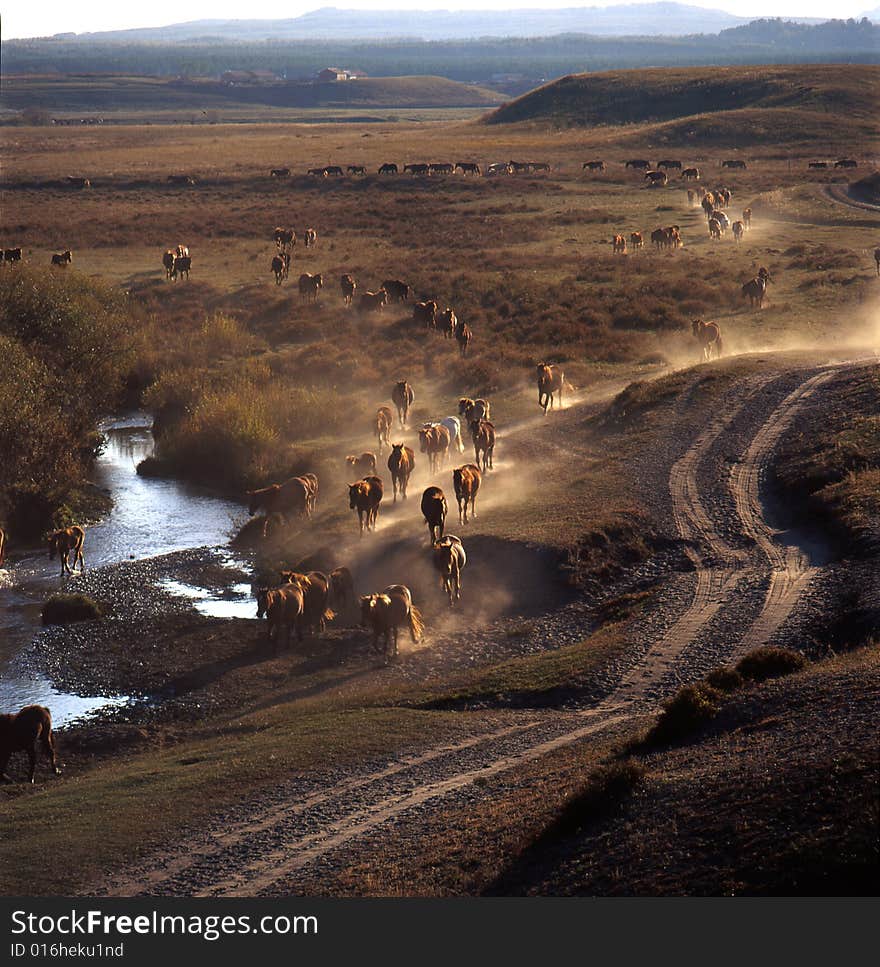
x=764 y=663
x=725 y=679
x=688 y=710
x=62 y=609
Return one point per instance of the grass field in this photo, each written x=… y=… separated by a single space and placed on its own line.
x=251 y=383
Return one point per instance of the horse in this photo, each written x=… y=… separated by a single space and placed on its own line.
x=21 y=733
x=466 y=480
x=63 y=542
x=311 y=480
x=473 y=409
x=434 y=440
x=364 y=464
x=434 y=510
x=483 y=435
x=341 y=587
x=551 y=380
x=283 y=608
x=385 y=613
x=348 y=285
x=449 y=558
x=402 y=396
x=315 y=588
x=463 y=336
x=294 y=495
x=168 y=263
x=754 y=289
x=384 y=422
x=365 y=497
x=401 y=463
x=709 y=336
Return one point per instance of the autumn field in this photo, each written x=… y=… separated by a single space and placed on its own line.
x=579 y=560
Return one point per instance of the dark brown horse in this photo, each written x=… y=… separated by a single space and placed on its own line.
x=449 y=558
x=483 y=434
x=434 y=511
x=385 y=613
x=22 y=732
x=401 y=463
x=402 y=396
x=365 y=497
x=467 y=480
x=283 y=608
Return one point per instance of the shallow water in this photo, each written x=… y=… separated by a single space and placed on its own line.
x=149 y=517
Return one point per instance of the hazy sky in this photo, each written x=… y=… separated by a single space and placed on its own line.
x=36 y=18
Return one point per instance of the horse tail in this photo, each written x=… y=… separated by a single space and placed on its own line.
x=416 y=624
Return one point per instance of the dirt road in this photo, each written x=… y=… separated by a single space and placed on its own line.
x=746 y=581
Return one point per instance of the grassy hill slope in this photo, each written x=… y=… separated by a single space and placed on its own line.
x=638 y=96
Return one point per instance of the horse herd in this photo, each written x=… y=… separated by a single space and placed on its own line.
x=421 y=169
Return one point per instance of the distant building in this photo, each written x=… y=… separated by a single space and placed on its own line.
x=333 y=74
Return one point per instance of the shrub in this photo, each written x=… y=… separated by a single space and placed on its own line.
x=689 y=709
x=725 y=679
x=764 y=663
x=62 y=609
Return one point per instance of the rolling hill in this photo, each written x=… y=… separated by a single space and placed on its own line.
x=835 y=92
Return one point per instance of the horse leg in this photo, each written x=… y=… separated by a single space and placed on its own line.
x=32 y=756
x=49 y=751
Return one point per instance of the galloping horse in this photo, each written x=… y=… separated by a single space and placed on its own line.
x=365 y=497
x=434 y=511
x=449 y=558
x=63 y=542
x=401 y=463
x=402 y=396
x=551 y=380
x=483 y=434
x=467 y=480
x=709 y=336
x=434 y=440
x=384 y=421
x=386 y=612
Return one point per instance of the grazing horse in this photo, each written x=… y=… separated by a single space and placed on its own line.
x=310 y=286
x=638 y=163
x=466 y=480
x=384 y=422
x=292 y=496
x=356 y=169
x=657 y=178
x=341 y=588
x=389 y=168
x=283 y=607
x=397 y=291
x=279 y=173
x=364 y=464
x=401 y=463
x=735 y=163
x=21 y=733
x=434 y=510
x=434 y=440
x=449 y=558
x=385 y=613
x=168 y=263
x=754 y=290
x=372 y=301
x=62 y=258
x=365 y=497
x=348 y=285
x=473 y=409
x=469 y=168
x=463 y=336
x=709 y=336
x=402 y=396
x=63 y=542
x=593 y=166
x=691 y=174
x=551 y=380
x=483 y=435
x=425 y=312
x=447 y=322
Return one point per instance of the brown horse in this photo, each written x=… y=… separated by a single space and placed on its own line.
x=293 y=496
x=63 y=542
x=315 y=588
x=283 y=608
x=341 y=588
x=463 y=336
x=449 y=558
x=365 y=497
x=754 y=290
x=364 y=464
x=434 y=440
x=385 y=613
x=483 y=434
x=402 y=396
x=384 y=422
x=551 y=380
x=709 y=336
x=21 y=733
x=348 y=285
x=434 y=511
x=473 y=409
x=467 y=480
x=401 y=463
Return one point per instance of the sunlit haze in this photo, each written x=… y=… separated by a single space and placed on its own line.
x=60 y=16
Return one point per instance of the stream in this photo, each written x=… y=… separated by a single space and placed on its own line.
x=150 y=517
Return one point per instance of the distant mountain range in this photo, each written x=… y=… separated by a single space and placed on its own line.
x=331 y=23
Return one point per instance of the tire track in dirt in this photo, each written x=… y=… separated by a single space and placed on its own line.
x=266 y=846
x=790 y=568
